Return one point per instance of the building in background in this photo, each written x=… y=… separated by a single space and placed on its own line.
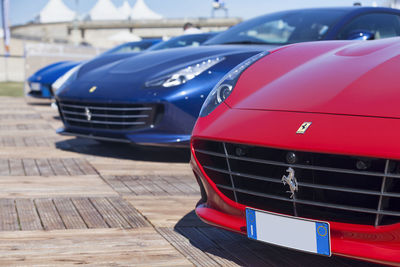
x=105 y=25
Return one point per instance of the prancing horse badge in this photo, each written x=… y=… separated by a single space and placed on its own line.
x=303 y=128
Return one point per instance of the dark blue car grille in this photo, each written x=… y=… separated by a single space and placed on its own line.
x=330 y=187
x=109 y=116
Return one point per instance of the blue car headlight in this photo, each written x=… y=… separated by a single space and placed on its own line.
x=225 y=86
x=65 y=79
x=186 y=74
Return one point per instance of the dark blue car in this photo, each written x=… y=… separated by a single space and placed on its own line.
x=155 y=97
x=39 y=84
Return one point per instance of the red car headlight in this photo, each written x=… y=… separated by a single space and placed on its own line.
x=224 y=88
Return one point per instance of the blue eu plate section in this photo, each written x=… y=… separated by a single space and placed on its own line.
x=287 y=231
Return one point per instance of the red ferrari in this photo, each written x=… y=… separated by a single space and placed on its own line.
x=299 y=147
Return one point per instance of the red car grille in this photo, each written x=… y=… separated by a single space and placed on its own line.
x=330 y=187
x=109 y=116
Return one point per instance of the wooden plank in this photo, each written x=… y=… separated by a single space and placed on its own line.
x=8 y=141
x=27 y=214
x=93 y=247
x=27 y=152
x=184 y=186
x=41 y=142
x=152 y=186
x=29 y=141
x=84 y=166
x=48 y=214
x=112 y=217
x=8 y=215
x=19 y=142
x=30 y=167
x=72 y=167
x=143 y=185
x=135 y=186
x=21 y=107
x=11 y=134
x=189 y=180
x=4 y=167
x=16 y=117
x=89 y=214
x=192 y=253
x=16 y=167
x=58 y=167
x=202 y=242
x=130 y=214
x=110 y=166
x=157 y=209
x=168 y=187
x=44 y=167
x=53 y=186
x=233 y=246
x=117 y=185
x=69 y=214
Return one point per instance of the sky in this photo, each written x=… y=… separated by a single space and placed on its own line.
x=22 y=11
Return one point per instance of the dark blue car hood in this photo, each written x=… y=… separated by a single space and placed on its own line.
x=125 y=77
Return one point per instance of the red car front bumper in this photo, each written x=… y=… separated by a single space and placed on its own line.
x=380 y=245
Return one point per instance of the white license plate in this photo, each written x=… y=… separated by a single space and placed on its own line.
x=287 y=231
x=35 y=86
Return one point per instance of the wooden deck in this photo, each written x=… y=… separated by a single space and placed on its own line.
x=67 y=201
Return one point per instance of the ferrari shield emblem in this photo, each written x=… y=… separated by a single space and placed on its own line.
x=303 y=128
x=91 y=90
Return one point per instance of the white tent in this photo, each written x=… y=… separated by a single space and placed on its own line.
x=104 y=10
x=55 y=11
x=141 y=11
x=125 y=10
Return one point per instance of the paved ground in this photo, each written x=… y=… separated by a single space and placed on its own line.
x=74 y=201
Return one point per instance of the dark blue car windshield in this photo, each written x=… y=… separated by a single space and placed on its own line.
x=281 y=28
x=183 y=40
x=130 y=47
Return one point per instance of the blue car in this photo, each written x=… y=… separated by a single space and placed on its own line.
x=39 y=84
x=124 y=51
x=155 y=98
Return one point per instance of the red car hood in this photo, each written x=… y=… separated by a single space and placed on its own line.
x=348 y=78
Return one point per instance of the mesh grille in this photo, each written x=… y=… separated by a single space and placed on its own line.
x=330 y=187
x=109 y=116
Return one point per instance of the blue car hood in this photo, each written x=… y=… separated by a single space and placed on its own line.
x=103 y=60
x=127 y=77
x=52 y=72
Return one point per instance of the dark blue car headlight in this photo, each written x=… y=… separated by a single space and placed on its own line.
x=186 y=74
x=66 y=79
x=225 y=86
